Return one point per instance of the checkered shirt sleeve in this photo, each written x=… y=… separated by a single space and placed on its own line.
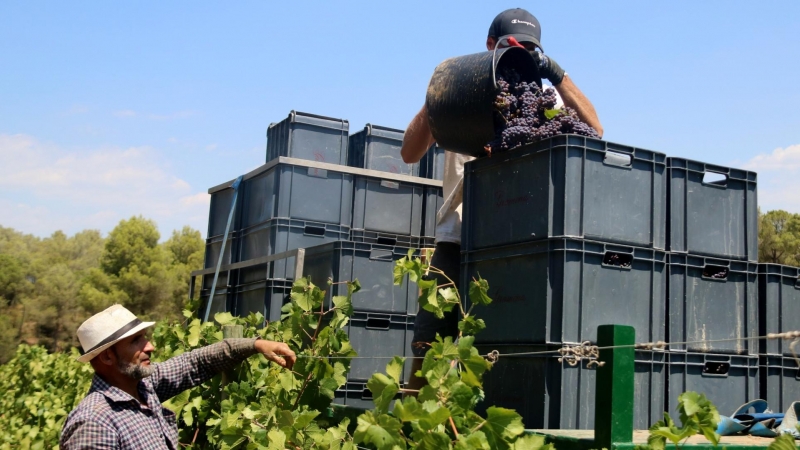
x=191 y=369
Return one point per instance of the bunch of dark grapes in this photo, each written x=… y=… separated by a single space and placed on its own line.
x=521 y=118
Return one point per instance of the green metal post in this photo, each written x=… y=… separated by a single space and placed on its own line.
x=613 y=411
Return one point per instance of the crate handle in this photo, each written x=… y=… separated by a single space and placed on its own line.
x=377 y=323
x=366 y=394
x=380 y=255
x=715 y=178
x=797 y=283
x=718 y=273
x=311 y=230
x=387 y=241
x=716 y=369
x=318 y=173
x=797 y=375
x=617 y=159
x=618 y=260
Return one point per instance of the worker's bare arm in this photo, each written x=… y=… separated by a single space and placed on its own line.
x=417 y=139
x=574 y=98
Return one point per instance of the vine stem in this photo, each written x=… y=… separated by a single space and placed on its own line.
x=450 y=282
x=453 y=424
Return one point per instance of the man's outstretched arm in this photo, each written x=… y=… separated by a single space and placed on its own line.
x=417 y=139
x=574 y=98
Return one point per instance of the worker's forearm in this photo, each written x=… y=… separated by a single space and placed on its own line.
x=574 y=98
x=417 y=139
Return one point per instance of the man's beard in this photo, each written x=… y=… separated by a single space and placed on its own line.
x=135 y=371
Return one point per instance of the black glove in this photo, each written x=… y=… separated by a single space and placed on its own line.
x=548 y=68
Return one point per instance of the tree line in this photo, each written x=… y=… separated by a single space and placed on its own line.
x=48 y=286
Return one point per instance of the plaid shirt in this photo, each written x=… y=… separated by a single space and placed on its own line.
x=109 y=418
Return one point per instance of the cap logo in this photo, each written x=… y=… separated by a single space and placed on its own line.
x=522 y=21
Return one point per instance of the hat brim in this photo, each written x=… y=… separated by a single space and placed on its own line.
x=86 y=357
x=521 y=38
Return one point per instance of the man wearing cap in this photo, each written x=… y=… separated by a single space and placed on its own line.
x=123 y=407
x=524 y=27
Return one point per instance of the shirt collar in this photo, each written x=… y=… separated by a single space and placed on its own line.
x=112 y=393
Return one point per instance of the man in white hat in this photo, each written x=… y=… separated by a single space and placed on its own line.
x=123 y=407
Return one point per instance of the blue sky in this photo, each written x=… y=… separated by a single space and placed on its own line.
x=109 y=110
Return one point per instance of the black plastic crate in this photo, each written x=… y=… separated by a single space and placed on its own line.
x=432 y=204
x=780 y=381
x=713 y=210
x=309 y=136
x=266 y=297
x=220 y=209
x=372 y=265
x=356 y=394
x=432 y=164
x=712 y=300
x=729 y=381
x=297 y=191
x=566 y=186
x=779 y=305
x=560 y=290
x=378 y=148
x=220 y=304
x=556 y=395
x=386 y=205
x=281 y=235
x=377 y=338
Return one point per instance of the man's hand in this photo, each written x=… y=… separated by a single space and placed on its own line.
x=548 y=68
x=277 y=352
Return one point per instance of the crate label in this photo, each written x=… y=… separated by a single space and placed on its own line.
x=390 y=184
x=319 y=173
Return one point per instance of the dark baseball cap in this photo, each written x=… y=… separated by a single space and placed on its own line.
x=518 y=23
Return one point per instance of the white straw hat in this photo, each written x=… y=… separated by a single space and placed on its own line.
x=106 y=328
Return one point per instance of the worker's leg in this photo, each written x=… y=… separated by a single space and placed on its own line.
x=447 y=258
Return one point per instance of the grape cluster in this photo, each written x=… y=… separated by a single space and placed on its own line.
x=521 y=114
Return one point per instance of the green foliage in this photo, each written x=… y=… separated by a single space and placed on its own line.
x=697 y=414
x=779 y=238
x=49 y=286
x=783 y=442
x=265 y=406
x=39 y=390
x=442 y=415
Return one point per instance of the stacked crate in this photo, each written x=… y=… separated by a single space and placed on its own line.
x=354 y=222
x=779 y=311
x=712 y=240
x=570 y=233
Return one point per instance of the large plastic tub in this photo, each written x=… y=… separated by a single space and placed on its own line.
x=388 y=205
x=378 y=148
x=372 y=265
x=309 y=136
x=779 y=305
x=377 y=338
x=280 y=235
x=780 y=381
x=297 y=192
x=556 y=395
x=712 y=305
x=211 y=258
x=570 y=186
x=433 y=202
x=560 y=290
x=266 y=297
x=729 y=381
x=713 y=210
x=432 y=164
